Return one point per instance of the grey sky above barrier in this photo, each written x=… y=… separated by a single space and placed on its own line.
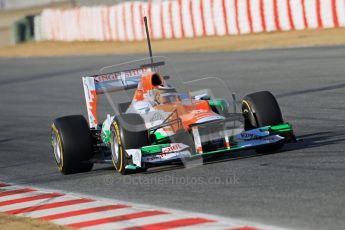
x=19 y=4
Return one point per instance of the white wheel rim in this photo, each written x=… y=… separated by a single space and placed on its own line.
x=114 y=146
x=57 y=150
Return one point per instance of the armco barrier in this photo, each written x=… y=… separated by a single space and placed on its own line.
x=189 y=18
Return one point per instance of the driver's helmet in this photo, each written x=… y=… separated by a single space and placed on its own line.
x=165 y=94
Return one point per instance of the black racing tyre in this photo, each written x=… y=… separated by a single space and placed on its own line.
x=72 y=144
x=261 y=109
x=127 y=131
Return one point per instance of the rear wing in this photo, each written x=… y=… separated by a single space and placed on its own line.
x=109 y=82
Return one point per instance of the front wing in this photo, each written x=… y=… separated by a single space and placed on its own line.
x=160 y=154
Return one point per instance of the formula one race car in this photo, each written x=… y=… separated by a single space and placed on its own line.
x=162 y=125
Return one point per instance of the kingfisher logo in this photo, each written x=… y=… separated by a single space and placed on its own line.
x=119 y=75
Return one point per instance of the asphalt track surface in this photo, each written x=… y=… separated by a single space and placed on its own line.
x=302 y=187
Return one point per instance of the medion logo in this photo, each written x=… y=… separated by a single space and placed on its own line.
x=173 y=148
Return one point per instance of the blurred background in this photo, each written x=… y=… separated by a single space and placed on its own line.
x=311 y=22
x=12 y=11
x=20 y=4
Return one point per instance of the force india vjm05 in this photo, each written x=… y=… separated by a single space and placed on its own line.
x=162 y=125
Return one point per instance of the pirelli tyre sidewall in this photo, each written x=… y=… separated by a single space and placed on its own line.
x=122 y=139
x=72 y=144
x=117 y=151
x=57 y=147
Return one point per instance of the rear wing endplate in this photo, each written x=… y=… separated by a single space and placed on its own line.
x=109 y=82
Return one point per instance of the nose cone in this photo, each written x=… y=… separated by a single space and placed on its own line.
x=200 y=116
x=209 y=118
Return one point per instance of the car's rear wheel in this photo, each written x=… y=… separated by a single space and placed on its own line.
x=72 y=144
x=127 y=132
x=262 y=109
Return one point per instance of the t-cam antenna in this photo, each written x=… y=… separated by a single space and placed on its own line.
x=148 y=38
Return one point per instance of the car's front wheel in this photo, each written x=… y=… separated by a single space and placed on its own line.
x=126 y=132
x=261 y=109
